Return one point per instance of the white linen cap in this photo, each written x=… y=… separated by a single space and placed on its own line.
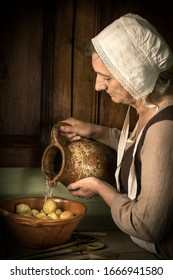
x=134 y=52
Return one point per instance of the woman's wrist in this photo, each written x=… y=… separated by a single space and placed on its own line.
x=107 y=192
x=98 y=132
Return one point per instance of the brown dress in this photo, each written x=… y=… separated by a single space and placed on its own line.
x=149 y=217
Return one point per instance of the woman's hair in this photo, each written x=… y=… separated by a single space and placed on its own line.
x=162 y=88
x=89 y=49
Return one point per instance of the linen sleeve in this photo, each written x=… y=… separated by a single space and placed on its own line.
x=151 y=214
x=111 y=138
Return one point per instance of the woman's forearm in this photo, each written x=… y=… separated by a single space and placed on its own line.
x=107 y=192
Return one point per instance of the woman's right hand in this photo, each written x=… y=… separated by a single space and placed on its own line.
x=77 y=129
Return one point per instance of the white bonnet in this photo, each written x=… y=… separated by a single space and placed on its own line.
x=134 y=52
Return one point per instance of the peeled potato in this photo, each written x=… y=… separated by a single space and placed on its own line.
x=34 y=212
x=40 y=215
x=66 y=215
x=53 y=216
x=26 y=214
x=22 y=207
x=49 y=211
x=58 y=211
x=49 y=206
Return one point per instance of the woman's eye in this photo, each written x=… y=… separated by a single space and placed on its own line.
x=107 y=78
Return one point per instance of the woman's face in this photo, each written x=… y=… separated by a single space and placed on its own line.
x=107 y=82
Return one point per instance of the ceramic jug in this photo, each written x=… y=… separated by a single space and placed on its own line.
x=66 y=162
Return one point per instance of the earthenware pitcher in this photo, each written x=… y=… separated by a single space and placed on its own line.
x=66 y=162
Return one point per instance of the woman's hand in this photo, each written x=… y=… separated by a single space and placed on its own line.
x=91 y=187
x=76 y=129
x=85 y=188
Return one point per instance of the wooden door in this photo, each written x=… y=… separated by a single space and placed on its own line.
x=45 y=74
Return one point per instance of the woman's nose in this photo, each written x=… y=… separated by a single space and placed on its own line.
x=100 y=83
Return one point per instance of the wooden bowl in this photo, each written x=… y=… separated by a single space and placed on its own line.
x=39 y=233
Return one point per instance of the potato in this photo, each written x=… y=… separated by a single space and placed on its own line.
x=66 y=215
x=49 y=211
x=40 y=215
x=34 y=212
x=22 y=207
x=49 y=206
x=53 y=215
x=26 y=214
x=58 y=211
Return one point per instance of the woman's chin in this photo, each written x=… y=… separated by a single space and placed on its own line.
x=115 y=100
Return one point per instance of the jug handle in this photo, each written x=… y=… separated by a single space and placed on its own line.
x=56 y=136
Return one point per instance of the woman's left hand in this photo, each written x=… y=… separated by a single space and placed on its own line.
x=85 y=188
x=91 y=186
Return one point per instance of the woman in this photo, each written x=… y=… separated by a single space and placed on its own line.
x=131 y=61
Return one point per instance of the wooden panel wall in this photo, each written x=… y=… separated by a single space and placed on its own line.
x=86 y=23
x=75 y=24
x=63 y=60
x=45 y=74
x=21 y=36
x=21 y=53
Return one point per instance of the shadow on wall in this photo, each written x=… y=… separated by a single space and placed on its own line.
x=17 y=182
x=22 y=182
